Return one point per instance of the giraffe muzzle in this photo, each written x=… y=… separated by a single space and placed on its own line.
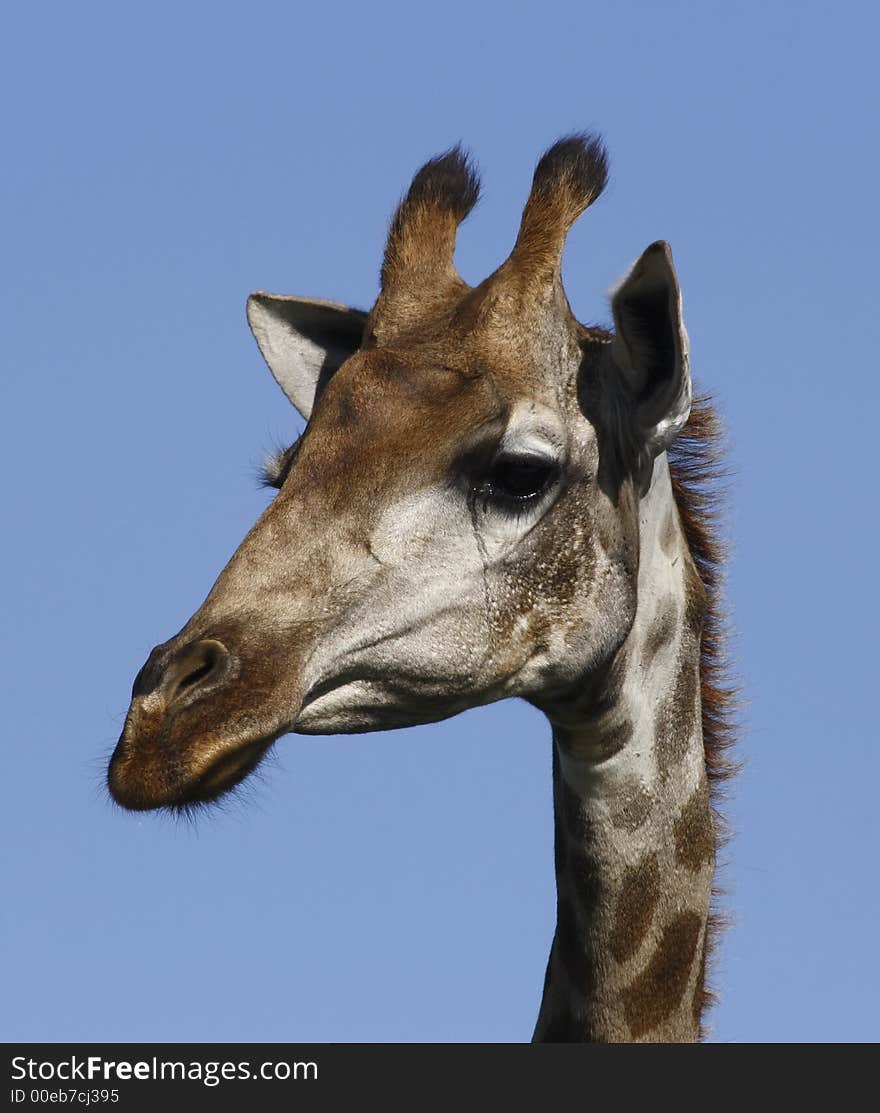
x=189 y=735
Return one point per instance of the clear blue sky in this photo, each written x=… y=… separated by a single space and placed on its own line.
x=163 y=160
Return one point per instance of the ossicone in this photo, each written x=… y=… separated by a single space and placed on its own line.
x=569 y=177
x=421 y=239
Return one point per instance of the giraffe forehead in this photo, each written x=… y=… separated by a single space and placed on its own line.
x=422 y=401
x=399 y=393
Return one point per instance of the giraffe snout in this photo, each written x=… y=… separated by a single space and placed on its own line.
x=177 y=748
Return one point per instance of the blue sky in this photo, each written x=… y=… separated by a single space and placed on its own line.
x=160 y=162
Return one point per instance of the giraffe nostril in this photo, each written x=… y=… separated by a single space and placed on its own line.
x=195 y=676
x=193 y=669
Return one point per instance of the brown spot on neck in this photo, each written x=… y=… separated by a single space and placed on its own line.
x=657 y=992
x=670 y=533
x=695 y=601
x=694 y=831
x=676 y=720
x=632 y=806
x=661 y=632
x=638 y=898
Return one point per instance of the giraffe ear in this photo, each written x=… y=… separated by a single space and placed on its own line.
x=304 y=341
x=650 y=348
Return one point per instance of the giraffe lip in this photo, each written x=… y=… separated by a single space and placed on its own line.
x=139 y=785
x=226 y=771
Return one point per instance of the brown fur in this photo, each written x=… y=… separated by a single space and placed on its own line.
x=568 y=179
x=418 y=273
x=661 y=634
x=636 y=903
x=574 y=818
x=674 y=722
x=694 y=837
x=696 y=471
x=634 y=809
x=421 y=238
x=657 y=991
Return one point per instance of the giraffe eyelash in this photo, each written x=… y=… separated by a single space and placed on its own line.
x=276 y=466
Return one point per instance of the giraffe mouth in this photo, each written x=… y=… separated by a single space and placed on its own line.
x=201 y=719
x=226 y=771
x=144 y=778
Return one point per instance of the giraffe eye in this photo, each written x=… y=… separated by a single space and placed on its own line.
x=513 y=482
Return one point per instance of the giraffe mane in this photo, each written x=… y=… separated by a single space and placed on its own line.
x=698 y=474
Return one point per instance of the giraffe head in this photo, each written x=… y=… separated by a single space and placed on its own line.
x=459 y=521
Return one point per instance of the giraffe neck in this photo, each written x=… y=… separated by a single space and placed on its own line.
x=634 y=835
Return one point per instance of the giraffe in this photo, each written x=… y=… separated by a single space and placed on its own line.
x=489 y=500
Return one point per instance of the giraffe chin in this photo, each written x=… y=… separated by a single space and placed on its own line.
x=140 y=783
x=227 y=771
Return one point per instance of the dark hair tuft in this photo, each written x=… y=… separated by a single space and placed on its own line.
x=449 y=181
x=577 y=163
